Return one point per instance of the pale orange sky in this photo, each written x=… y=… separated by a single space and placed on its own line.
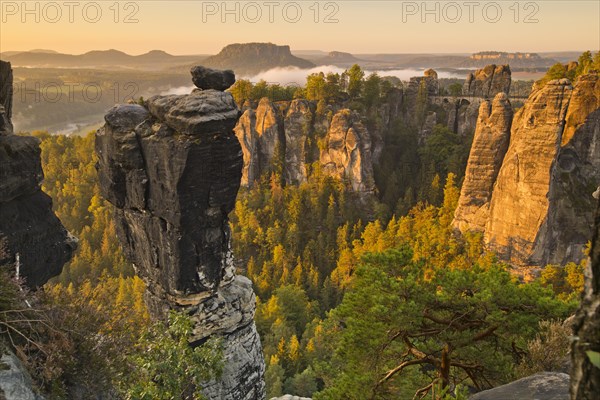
x=201 y=27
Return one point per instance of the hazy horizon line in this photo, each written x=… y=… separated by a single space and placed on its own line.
x=53 y=51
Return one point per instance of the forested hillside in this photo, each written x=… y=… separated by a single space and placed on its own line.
x=377 y=299
x=342 y=301
x=346 y=295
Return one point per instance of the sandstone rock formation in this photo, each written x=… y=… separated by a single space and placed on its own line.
x=347 y=154
x=458 y=114
x=541 y=386
x=428 y=83
x=541 y=208
x=271 y=137
x=389 y=112
x=520 y=60
x=15 y=381
x=252 y=58
x=488 y=81
x=245 y=130
x=391 y=109
x=206 y=78
x=6 y=95
x=490 y=143
x=31 y=236
x=260 y=134
x=172 y=169
x=585 y=377
x=285 y=133
x=575 y=174
x=426 y=128
x=280 y=134
x=461 y=114
x=297 y=123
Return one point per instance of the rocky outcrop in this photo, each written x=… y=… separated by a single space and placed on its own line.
x=286 y=133
x=6 y=95
x=465 y=121
x=15 y=381
x=172 y=169
x=297 y=125
x=520 y=205
x=426 y=128
x=391 y=108
x=245 y=131
x=541 y=386
x=252 y=58
x=338 y=58
x=460 y=114
x=425 y=107
x=31 y=237
x=230 y=313
x=347 y=153
x=585 y=376
x=271 y=138
x=490 y=143
x=575 y=174
x=488 y=81
x=426 y=85
x=516 y=60
x=541 y=208
x=260 y=134
x=206 y=78
x=281 y=133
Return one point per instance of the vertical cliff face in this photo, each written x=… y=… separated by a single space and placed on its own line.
x=280 y=133
x=585 y=377
x=575 y=173
x=541 y=211
x=461 y=114
x=270 y=134
x=172 y=168
x=297 y=124
x=6 y=94
x=490 y=143
x=260 y=133
x=29 y=230
x=520 y=202
x=245 y=131
x=347 y=153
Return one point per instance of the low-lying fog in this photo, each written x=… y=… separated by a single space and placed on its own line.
x=297 y=76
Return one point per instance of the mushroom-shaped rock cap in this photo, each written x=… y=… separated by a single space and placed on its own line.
x=201 y=112
x=206 y=78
